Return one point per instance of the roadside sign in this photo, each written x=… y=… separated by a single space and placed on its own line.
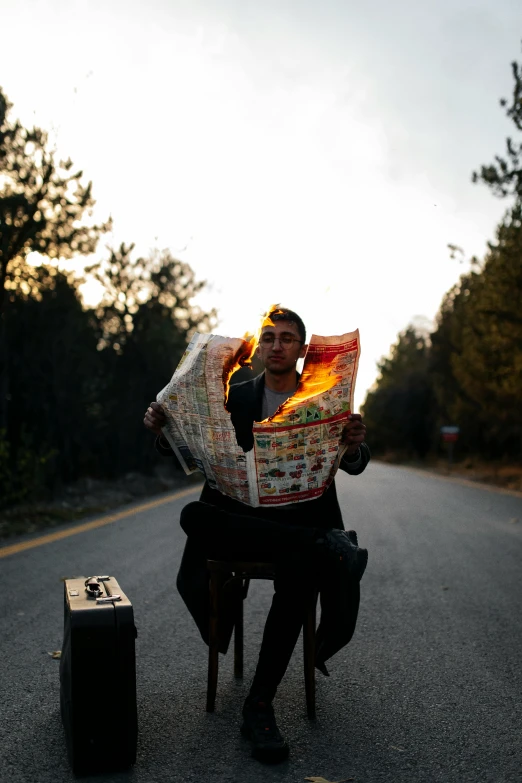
x=449 y=433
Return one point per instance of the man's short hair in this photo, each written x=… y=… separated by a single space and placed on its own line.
x=277 y=313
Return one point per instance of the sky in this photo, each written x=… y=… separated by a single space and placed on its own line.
x=314 y=154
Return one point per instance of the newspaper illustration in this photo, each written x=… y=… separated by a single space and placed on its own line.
x=296 y=452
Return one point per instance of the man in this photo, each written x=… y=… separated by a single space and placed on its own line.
x=306 y=540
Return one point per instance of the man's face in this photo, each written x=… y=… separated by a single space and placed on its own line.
x=280 y=356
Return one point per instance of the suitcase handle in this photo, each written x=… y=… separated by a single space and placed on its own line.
x=93 y=588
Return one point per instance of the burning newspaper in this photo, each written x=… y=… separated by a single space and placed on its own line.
x=296 y=452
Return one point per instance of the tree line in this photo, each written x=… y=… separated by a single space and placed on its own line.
x=75 y=381
x=468 y=371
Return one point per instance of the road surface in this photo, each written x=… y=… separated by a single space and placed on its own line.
x=428 y=690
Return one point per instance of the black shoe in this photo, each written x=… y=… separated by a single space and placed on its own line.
x=260 y=728
x=343 y=546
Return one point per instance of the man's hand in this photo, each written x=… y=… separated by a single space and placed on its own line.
x=155 y=418
x=354 y=433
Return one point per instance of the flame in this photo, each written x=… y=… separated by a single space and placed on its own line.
x=267 y=321
x=321 y=372
x=243 y=356
x=317 y=378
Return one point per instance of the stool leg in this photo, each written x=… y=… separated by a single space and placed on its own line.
x=238 y=640
x=309 y=655
x=213 y=643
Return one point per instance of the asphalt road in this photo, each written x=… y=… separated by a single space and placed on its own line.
x=429 y=689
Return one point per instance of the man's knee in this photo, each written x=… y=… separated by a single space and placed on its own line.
x=191 y=516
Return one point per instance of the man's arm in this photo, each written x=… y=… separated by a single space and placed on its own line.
x=356 y=463
x=154 y=420
x=357 y=455
x=162 y=446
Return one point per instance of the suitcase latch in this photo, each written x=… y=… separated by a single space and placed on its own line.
x=108 y=598
x=93 y=587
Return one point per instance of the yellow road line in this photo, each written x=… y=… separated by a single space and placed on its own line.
x=13 y=549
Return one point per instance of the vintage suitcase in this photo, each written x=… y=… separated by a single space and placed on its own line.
x=98 y=676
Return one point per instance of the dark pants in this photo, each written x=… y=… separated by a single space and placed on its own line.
x=225 y=536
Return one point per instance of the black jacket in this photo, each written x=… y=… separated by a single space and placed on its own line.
x=339 y=600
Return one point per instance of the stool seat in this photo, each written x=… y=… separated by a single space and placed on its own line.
x=223 y=572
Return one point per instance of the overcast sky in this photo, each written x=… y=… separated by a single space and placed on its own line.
x=313 y=153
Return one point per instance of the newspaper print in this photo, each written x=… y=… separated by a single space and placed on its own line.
x=199 y=428
x=296 y=452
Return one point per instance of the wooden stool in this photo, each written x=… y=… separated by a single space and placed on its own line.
x=220 y=571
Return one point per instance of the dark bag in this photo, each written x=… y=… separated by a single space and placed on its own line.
x=98 y=676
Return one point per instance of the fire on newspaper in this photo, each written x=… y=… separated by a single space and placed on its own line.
x=296 y=452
